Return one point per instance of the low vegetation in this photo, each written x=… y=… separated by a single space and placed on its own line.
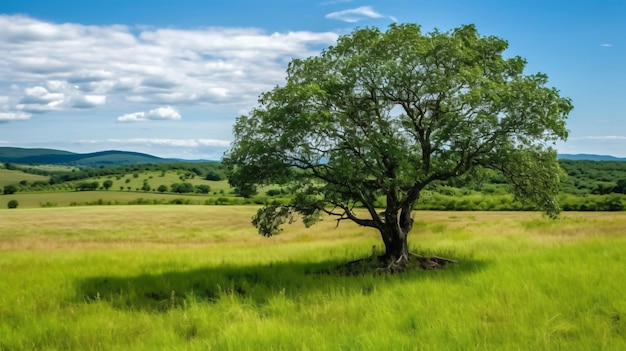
x=589 y=186
x=200 y=278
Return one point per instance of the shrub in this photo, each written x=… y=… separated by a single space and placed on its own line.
x=203 y=189
x=12 y=204
x=9 y=189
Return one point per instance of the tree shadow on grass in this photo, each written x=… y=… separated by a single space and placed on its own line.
x=254 y=283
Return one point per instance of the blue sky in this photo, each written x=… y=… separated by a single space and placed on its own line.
x=169 y=78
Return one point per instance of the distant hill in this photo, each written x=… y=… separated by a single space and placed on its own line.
x=116 y=157
x=94 y=159
x=589 y=157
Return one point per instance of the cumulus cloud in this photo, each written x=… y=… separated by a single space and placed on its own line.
x=58 y=67
x=355 y=15
x=88 y=101
x=161 y=113
x=38 y=99
x=13 y=116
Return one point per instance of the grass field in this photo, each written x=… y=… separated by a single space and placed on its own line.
x=200 y=278
x=13 y=177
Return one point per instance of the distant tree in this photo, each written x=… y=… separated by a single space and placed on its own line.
x=274 y=192
x=620 y=187
x=382 y=116
x=87 y=186
x=107 y=184
x=145 y=186
x=203 y=189
x=182 y=188
x=214 y=176
x=245 y=190
x=9 y=189
x=12 y=204
x=162 y=188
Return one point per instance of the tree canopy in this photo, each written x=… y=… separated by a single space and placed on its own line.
x=381 y=116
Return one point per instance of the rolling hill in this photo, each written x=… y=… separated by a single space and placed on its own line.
x=589 y=157
x=116 y=157
x=59 y=157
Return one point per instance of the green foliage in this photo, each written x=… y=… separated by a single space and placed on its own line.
x=271 y=217
x=182 y=188
x=9 y=189
x=594 y=177
x=107 y=184
x=13 y=204
x=87 y=186
x=385 y=115
x=246 y=190
x=202 y=189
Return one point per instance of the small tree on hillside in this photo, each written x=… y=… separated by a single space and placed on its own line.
x=381 y=116
x=9 y=189
x=107 y=184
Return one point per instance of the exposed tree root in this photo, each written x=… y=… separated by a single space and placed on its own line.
x=377 y=264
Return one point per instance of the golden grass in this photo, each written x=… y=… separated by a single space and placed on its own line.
x=189 y=225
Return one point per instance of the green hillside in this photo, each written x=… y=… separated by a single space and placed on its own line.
x=8 y=177
x=58 y=157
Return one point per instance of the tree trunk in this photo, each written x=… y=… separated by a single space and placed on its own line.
x=396 y=246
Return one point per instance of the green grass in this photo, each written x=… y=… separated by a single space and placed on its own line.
x=156 y=178
x=14 y=177
x=200 y=278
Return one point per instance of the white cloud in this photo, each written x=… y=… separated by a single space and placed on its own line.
x=60 y=67
x=606 y=45
x=13 y=116
x=161 y=113
x=39 y=100
x=355 y=15
x=133 y=117
x=166 y=113
x=88 y=101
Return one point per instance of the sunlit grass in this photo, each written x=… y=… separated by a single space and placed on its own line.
x=200 y=278
x=14 y=177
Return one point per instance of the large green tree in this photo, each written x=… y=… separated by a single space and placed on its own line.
x=383 y=115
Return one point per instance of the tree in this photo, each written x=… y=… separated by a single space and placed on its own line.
x=12 y=204
x=87 y=186
x=107 y=184
x=162 y=188
x=381 y=116
x=202 y=189
x=9 y=189
x=182 y=188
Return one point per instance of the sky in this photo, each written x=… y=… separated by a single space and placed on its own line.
x=169 y=78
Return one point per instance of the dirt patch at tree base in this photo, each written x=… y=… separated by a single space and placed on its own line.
x=377 y=265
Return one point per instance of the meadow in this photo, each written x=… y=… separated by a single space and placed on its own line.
x=200 y=278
